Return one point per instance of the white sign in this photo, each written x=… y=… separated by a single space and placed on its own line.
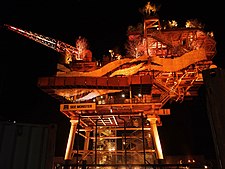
x=77 y=107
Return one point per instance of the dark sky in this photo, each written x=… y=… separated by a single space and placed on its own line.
x=104 y=24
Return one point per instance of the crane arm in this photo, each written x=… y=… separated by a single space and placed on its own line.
x=57 y=45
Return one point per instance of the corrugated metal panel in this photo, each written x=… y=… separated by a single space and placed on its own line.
x=135 y=79
x=59 y=81
x=69 y=81
x=113 y=81
x=26 y=146
x=146 y=79
x=123 y=81
x=80 y=81
x=91 y=81
x=43 y=81
x=102 y=82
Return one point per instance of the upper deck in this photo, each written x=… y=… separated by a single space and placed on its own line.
x=168 y=67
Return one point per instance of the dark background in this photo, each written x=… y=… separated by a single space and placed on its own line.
x=104 y=24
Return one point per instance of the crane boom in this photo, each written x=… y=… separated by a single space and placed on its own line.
x=57 y=45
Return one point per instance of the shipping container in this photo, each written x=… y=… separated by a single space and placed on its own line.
x=27 y=146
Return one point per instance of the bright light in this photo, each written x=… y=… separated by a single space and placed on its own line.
x=123 y=95
x=112 y=149
x=173 y=23
x=205 y=166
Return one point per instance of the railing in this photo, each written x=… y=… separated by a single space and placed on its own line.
x=121 y=166
x=137 y=100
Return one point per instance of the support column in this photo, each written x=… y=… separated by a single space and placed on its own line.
x=86 y=142
x=70 y=142
x=130 y=95
x=156 y=139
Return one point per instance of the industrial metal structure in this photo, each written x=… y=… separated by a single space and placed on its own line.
x=115 y=108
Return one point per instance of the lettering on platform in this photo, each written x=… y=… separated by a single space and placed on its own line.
x=77 y=107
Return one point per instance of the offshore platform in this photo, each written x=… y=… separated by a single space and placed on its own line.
x=115 y=107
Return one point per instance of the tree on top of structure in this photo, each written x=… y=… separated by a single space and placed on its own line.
x=149 y=9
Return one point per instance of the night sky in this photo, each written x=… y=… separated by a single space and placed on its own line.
x=104 y=24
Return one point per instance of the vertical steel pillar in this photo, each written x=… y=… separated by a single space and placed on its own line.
x=156 y=139
x=125 y=140
x=86 y=142
x=143 y=137
x=70 y=142
x=96 y=139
